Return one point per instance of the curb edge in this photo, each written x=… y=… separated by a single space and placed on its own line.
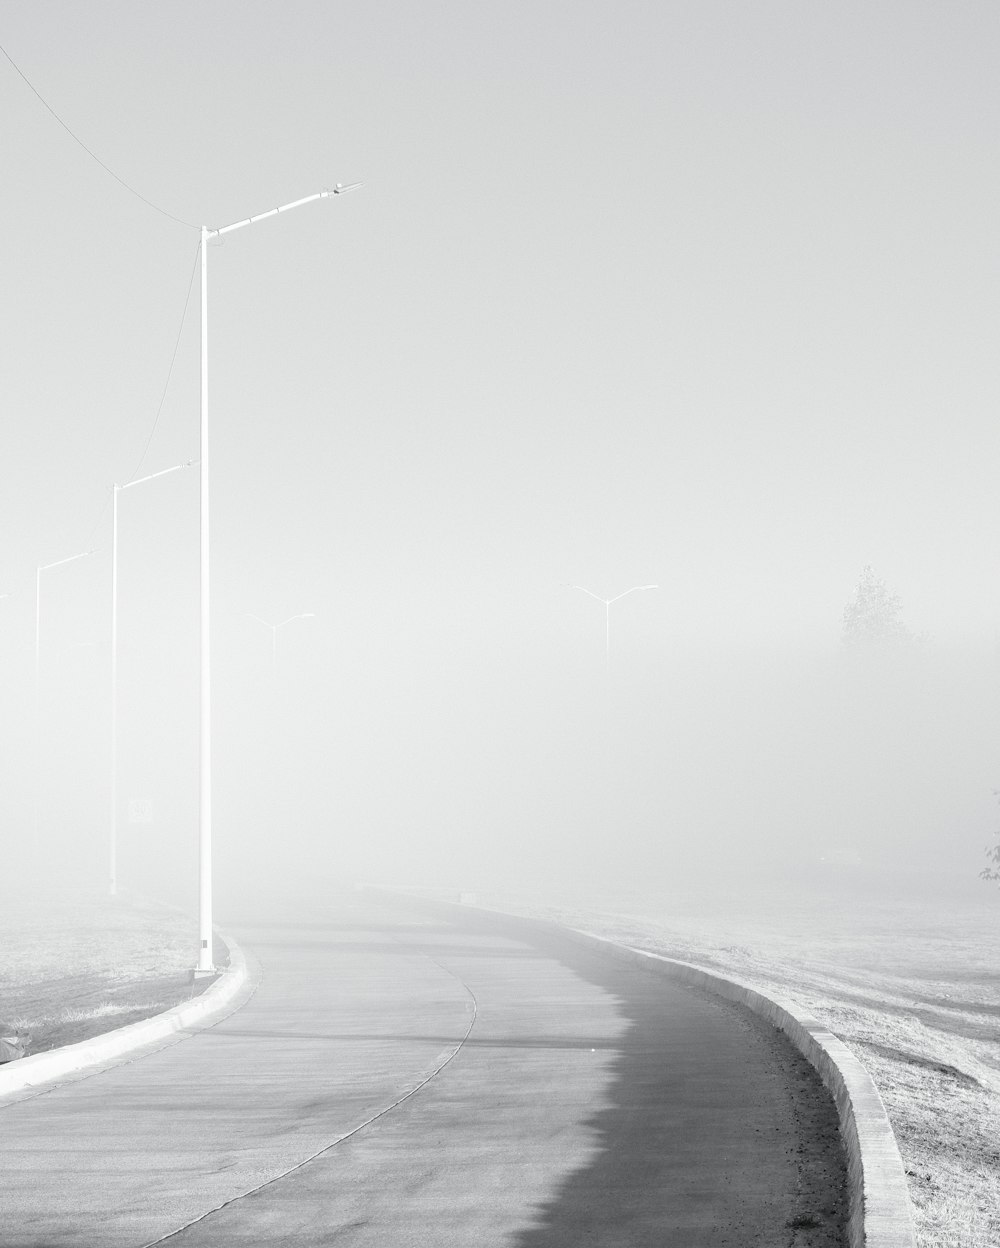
x=27 y=1073
x=880 y=1214
x=879 y=1211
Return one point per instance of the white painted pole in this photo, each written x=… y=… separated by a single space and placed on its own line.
x=38 y=646
x=113 y=855
x=38 y=702
x=205 y=965
x=205 y=962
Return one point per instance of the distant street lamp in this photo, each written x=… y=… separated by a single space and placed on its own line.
x=205 y=965
x=607 y=610
x=116 y=490
x=44 y=567
x=305 y=615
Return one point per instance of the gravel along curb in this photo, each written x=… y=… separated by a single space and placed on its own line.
x=879 y=1210
x=231 y=990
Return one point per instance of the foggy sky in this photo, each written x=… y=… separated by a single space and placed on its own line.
x=701 y=295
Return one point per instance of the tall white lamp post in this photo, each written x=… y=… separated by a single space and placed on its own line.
x=116 y=490
x=305 y=615
x=607 y=611
x=205 y=965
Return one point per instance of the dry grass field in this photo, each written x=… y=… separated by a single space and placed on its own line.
x=911 y=984
x=75 y=967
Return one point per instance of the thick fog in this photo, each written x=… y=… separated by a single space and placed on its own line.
x=695 y=296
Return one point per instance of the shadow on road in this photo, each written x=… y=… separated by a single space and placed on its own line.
x=714 y=1129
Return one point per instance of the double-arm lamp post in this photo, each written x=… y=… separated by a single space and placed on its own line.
x=205 y=965
x=607 y=611
x=303 y=615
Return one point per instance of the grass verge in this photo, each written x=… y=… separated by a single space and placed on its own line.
x=78 y=967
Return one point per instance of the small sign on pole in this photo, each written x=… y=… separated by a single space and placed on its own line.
x=140 y=810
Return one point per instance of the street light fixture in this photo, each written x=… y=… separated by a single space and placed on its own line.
x=607 y=610
x=205 y=965
x=305 y=615
x=116 y=490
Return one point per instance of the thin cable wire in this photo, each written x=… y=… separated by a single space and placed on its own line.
x=159 y=409
x=170 y=370
x=104 y=511
x=121 y=181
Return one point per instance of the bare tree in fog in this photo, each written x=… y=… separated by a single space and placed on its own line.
x=992 y=871
x=873 y=615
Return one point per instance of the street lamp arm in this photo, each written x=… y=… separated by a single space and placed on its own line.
x=583 y=590
x=632 y=591
x=153 y=475
x=303 y=615
x=44 y=567
x=339 y=189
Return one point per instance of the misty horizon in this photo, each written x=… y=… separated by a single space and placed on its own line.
x=631 y=295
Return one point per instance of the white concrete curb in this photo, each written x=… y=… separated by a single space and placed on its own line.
x=215 y=1002
x=879 y=1211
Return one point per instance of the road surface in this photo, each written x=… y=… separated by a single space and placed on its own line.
x=403 y=1078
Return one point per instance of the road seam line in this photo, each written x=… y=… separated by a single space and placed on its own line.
x=348 y=1134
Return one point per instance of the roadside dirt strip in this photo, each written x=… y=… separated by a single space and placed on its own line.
x=402 y=1077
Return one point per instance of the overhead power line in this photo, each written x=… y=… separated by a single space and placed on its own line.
x=163 y=395
x=173 y=358
x=76 y=139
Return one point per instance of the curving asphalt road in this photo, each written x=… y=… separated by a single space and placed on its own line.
x=402 y=1078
